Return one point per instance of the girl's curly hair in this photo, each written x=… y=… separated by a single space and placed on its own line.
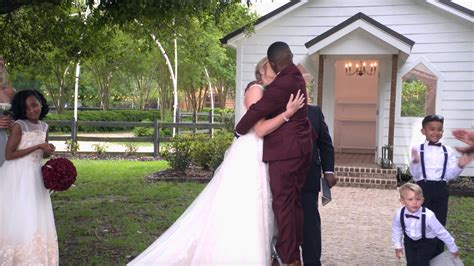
x=18 y=104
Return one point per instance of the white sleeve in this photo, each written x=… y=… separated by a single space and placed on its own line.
x=415 y=168
x=22 y=125
x=442 y=233
x=452 y=168
x=397 y=231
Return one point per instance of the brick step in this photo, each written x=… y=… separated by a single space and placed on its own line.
x=367 y=177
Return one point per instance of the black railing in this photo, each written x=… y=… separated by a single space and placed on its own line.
x=156 y=125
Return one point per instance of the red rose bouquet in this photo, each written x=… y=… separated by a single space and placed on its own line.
x=58 y=174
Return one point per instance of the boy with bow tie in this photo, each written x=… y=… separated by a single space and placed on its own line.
x=432 y=166
x=420 y=227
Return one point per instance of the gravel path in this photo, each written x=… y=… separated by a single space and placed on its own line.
x=356 y=227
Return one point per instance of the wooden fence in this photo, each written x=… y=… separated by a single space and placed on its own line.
x=156 y=125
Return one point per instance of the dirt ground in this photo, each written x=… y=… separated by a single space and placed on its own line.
x=356 y=227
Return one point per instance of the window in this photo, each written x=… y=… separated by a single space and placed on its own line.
x=418 y=92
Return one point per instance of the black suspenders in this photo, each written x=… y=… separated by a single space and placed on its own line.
x=422 y=159
x=423 y=221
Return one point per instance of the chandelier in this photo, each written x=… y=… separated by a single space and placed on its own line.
x=361 y=69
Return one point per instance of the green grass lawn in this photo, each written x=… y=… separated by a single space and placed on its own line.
x=461 y=226
x=113 y=214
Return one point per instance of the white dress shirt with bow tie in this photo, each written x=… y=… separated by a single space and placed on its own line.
x=434 y=161
x=413 y=229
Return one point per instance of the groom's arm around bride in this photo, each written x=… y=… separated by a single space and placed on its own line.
x=287 y=150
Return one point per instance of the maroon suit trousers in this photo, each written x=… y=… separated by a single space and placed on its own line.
x=287 y=178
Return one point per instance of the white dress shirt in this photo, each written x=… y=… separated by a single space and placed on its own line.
x=434 y=161
x=413 y=229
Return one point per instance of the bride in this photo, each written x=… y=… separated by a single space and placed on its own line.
x=231 y=221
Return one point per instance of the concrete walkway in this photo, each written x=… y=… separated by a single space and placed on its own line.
x=356 y=227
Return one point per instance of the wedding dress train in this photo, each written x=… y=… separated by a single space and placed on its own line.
x=229 y=223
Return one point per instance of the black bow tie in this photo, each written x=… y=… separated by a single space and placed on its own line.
x=434 y=144
x=411 y=216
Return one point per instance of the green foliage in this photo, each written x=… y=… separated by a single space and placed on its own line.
x=111 y=115
x=201 y=151
x=179 y=153
x=72 y=146
x=413 y=99
x=207 y=152
x=100 y=149
x=121 y=64
x=229 y=121
x=143 y=131
x=166 y=132
x=131 y=148
x=219 y=143
x=223 y=115
x=149 y=131
x=461 y=225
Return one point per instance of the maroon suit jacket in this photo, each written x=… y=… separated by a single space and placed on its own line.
x=293 y=138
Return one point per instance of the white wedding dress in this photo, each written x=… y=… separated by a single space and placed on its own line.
x=27 y=230
x=231 y=221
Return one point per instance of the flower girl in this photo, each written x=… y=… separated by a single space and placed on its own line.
x=27 y=230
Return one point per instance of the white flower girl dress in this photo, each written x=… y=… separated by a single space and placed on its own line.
x=27 y=229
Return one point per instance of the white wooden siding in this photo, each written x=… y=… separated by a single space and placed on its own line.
x=443 y=40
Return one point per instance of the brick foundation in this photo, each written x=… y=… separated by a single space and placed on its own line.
x=353 y=176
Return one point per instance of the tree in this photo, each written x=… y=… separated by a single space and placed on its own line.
x=105 y=61
x=47 y=39
x=139 y=70
x=413 y=99
x=29 y=42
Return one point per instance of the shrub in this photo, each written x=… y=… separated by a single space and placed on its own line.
x=143 y=131
x=219 y=144
x=229 y=122
x=166 y=131
x=208 y=153
x=100 y=149
x=72 y=146
x=201 y=151
x=225 y=116
x=148 y=131
x=111 y=115
x=178 y=155
x=131 y=148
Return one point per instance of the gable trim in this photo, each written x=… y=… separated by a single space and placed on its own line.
x=460 y=8
x=453 y=8
x=260 y=20
x=353 y=19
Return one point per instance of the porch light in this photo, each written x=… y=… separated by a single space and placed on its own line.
x=361 y=69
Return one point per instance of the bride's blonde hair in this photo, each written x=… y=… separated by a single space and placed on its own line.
x=259 y=66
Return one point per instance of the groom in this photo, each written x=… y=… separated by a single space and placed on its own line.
x=287 y=150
